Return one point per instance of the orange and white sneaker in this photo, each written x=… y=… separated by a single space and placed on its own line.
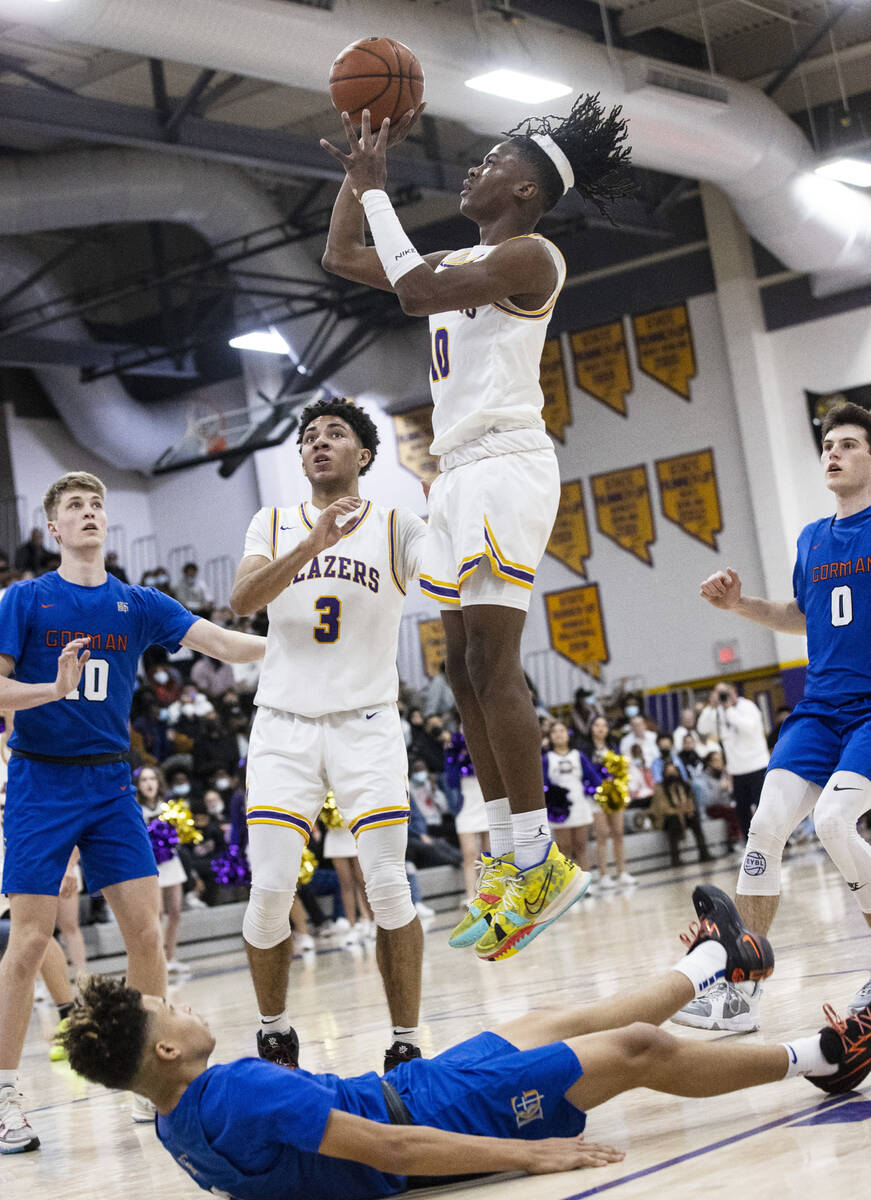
x=846 y=1043
x=493 y=873
x=533 y=899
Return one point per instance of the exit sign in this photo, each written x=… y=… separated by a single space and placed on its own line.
x=726 y=655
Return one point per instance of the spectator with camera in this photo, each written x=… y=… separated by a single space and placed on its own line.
x=737 y=724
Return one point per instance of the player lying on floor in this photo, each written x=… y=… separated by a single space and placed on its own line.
x=507 y=1100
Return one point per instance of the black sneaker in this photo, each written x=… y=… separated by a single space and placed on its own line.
x=399 y=1052
x=279 y=1048
x=847 y=1043
x=749 y=957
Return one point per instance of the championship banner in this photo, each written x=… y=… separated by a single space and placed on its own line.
x=413 y=438
x=557 y=411
x=577 y=628
x=688 y=492
x=432 y=645
x=570 y=538
x=664 y=342
x=623 y=510
x=602 y=364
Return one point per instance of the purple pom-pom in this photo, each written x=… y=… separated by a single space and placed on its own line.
x=164 y=839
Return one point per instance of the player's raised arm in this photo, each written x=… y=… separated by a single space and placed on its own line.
x=260 y=580
x=723 y=590
x=70 y=664
x=422 y=1150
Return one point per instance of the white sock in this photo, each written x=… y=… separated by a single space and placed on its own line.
x=406 y=1033
x=278 y=1024
x=703 y=966
x=7 y=1078
x=531 y=837
x=806 y=1058
x=499 y=823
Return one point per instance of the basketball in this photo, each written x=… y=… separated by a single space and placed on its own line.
x=377 y=73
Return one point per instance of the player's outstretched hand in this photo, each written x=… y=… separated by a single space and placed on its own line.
x=333 y=522
x=399 y=130
x=70 y=665
x=366 y=161
x=567 y=1154
x=722 y=589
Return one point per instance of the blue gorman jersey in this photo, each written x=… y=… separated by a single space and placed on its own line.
x=832 y=586
x=252 y=1129
x=37 y=619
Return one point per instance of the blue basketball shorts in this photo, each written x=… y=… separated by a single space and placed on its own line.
x=819 y=738
x=487 y=1086
x=52 y=807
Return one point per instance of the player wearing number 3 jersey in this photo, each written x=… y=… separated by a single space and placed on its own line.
x=72 y=640
x=333 y=573
x=822 y=760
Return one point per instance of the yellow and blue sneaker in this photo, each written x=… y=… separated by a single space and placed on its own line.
x=490 y=888
x=532 y=900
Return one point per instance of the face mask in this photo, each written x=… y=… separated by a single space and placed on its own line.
x=216 y=810
x=161 y=579
x=181 y=789
x=188 y=710
x=161 y=677
x=163 y=714
x=419 y=777
x=631 y=710
x=222 y=783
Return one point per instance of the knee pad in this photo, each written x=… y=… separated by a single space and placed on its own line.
x=267 y=918
x=382 y=861
x=785 y=801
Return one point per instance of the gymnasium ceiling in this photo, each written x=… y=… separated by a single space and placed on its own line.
x=133 y=283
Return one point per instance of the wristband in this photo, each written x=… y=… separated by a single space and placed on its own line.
x=392 y=243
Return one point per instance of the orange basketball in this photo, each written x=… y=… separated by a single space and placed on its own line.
x=377 y=73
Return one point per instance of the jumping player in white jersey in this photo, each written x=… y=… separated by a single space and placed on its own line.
x=333 y=573
x=72 y=638
x=493 y=505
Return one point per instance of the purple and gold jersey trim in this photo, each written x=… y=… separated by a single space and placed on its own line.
x=438 y=589
x=265 y=814
x=367 y=508
x=392 y=523
x=273 y=532
x=378 y=818
x=502 y=566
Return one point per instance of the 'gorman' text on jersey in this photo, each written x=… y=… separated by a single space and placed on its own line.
x=333 y=631
x=485 y=362
x=832 y=585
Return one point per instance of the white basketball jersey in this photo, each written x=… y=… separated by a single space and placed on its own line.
x=485 y=365
x=333 y=631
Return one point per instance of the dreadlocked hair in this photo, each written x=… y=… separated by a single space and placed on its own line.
x=360 y=422
x=105 y=1037
x=593 y=142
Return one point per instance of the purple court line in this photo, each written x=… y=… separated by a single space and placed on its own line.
x=729 y=1141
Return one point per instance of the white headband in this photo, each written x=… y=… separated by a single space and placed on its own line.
x=557 y=157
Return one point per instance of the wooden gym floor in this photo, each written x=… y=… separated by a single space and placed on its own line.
x=780 y=1141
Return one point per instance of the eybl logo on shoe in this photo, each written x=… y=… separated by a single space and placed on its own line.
x=754 y=863
x=527 y=1107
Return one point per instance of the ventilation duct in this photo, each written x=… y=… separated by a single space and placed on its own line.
x=748 y=147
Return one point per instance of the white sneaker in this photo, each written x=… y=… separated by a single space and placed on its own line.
x=862 y=998
x=192 y=900
x=174 y=967
x=424 y=910
x=606 y=883
x=16 y=1135
x=626 y=880
x=723 y=1006
x=303 y=942
x=142 y=1110
x=341 y=925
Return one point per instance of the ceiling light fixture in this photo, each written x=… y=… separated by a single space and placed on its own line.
x=848 y=170
x=269 y=341
x=514 y=85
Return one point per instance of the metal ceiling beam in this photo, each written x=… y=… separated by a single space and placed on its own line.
x=803 y=51
x=657 y=13
x=34 y=111
x=21 y=351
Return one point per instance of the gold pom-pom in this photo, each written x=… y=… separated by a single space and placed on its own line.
x=307 y=868
x=612 y=794
x=179 y=816
x=330 y=814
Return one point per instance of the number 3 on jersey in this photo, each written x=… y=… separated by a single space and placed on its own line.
x=329 y=626
x=842 y=605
